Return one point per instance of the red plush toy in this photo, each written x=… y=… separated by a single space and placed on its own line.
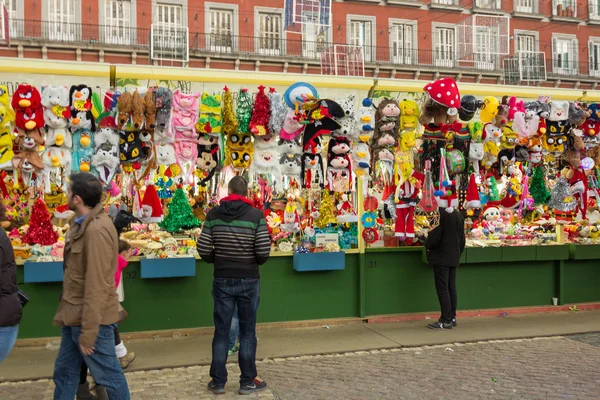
x=26 y=96
x=30 y=118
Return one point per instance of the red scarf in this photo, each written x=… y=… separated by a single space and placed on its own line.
x=234 y=197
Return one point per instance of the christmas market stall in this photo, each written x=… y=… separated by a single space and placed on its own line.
x=348 y=185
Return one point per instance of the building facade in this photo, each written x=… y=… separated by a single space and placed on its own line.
x=552 y=43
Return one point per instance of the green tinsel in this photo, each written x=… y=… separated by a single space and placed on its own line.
x=244 y=110
x=493 y=194
x=180 y=215
x=537 y=187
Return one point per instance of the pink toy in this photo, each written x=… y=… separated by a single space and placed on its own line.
x=187 y=154
x=515 y=106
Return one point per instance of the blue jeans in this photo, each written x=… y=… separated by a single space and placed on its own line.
x=227 y=293
x=103 y=364
x=234 y=330
x=8 y=337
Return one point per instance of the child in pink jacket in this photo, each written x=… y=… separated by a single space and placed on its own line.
x=125 y=358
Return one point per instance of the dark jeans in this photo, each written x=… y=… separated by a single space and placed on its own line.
x=103 y=364
x=234 y=330
x=227 y=293
x=445 y=286
x=84 y=368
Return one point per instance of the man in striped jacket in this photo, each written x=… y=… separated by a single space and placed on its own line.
x=235 y=238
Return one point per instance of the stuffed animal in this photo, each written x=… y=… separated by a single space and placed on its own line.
x=590 y=127
x=28 y=162
x=125 y=107
x=366 y=120
x=509 y=138
x=207 y=162
x=490 y=154
x=559 y=111
x=554 y=144
x=515 y=107
x=265 y=142
x=57 y=133
x=266 y=161
x=290 y=146
x=443 y=101
x=557 y=128
x=408 y=140
x=4 y=98
x=149 y=110
x=138 y=109
x=29 y=140
x=6 y=148
x=501 y=118
x=312 y=170
x=239 y=150
x=489 y=110
x=130 y=147
x=361 y=157
x=321 y=116
x=7 y=117
x=476 y=154
x=338 y=145
x=163 y=98
x=165 y=154
x=187 y=155
x=410 y=114
x=347 y=128
x=30 y=118
x=26 y=97
x=291 y=165
x=83 y=150
x=525 y=126
x=339 y=172
x=492 y=133
x=593 y=109
x=54 y=158
x=383 y=163
x=106 y=157
x=578 y=114
x=385 y=139
x=292 y=128
x=57 y=100
x=210 y=114
x=184 y=116
x=347 y=105
x=535 y=150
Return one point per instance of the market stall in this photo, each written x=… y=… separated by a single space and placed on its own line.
x=347 y=185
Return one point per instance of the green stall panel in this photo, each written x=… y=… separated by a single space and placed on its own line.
x=584 y=252
x=581 y=281
x=399 y=282
x=477 y=255
x=519 y=253
x=550 y=253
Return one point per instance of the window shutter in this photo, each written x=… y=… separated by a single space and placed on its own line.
x=591 y=56
x=575 y=52
x=554 y=53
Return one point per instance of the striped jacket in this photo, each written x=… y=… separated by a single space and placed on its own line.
x=235 y=238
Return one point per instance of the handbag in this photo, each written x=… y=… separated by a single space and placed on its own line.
x=23 y=297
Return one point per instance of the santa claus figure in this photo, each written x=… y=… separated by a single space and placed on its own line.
x=291 y=221
x=406 y=196
x=579 y=189
x=491 y=216
x=151 y=211
x=346 y=212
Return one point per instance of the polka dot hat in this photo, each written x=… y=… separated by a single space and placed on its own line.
x=445 y=92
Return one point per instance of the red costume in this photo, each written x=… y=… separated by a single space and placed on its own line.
x=405 y=209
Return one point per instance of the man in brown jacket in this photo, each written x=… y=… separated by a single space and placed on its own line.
x=88 y=308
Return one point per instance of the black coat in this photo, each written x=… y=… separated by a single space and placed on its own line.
x=10 y=305
x=446 y=242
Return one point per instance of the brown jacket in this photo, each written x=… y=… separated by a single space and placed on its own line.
x=89 y=298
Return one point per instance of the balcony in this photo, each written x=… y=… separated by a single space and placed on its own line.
x=594 y=12
x=563 y=67
x=80 y=34
x=447 y=5
x=565 y=11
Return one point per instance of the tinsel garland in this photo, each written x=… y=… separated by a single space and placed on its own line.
x=561 y=198
x=244 y=110
x=326 y=213
x=537 y=187
x=278 y=112
x=230 y=123
x=261 y=114
x=181 y=215
x=40 y=229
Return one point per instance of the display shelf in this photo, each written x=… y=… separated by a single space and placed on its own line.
x=393 y=249
x=37 y=272
x=519 y=253
x=319 y=261
x=550 y=253
x=463 y=257
x=584 y=251
x=176 y=267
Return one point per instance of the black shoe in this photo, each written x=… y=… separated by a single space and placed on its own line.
x=454 y=324
x=213 y=388
x=439 y=325
x=255 y=386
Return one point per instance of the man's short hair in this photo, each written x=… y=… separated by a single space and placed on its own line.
x=237 y=185
x=88 y=187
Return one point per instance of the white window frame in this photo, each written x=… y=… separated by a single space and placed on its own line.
x=594 y=41
x=488 y=4
x=565 y=3
x=485 y=39
x=443 y=62
x=233 y=8
x=369 y=52
x=570 y=70
x=108 y=31
x=403 y=56
x=594 y=9
x=268 y=11
x=17 y=14
x=526 y=6
x=534 y=34
x=59 y=30
x=314 y=36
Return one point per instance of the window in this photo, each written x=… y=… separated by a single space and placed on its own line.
x=168 y=16
x=169 y=39
x=62 y=19
x=488 y=4
x=565 y=55
x=402 y=43
x=117 y=28
x=313 y=35
x=486 y=48
x=13 y=17
x=361 y=35
x=526 y=6
x=594 y=55
x=269 y=32
x=221 y=27
x=445 y=2
x=526 y=43
x=564 y=8
x=594 y=9
x=444 y=47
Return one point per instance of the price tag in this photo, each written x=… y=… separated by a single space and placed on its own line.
x=323 y=239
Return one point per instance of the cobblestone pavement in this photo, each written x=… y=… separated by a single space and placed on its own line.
x=544 y=368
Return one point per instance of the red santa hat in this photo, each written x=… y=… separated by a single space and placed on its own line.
x=472 y=200
x=489 y=206
x=151 y=200
x=448 y=198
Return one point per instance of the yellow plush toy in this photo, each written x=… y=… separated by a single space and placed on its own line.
x=409 y=114
x=489 y=109
x=408 y=140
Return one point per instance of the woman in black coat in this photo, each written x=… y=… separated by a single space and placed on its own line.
x=10 y=304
